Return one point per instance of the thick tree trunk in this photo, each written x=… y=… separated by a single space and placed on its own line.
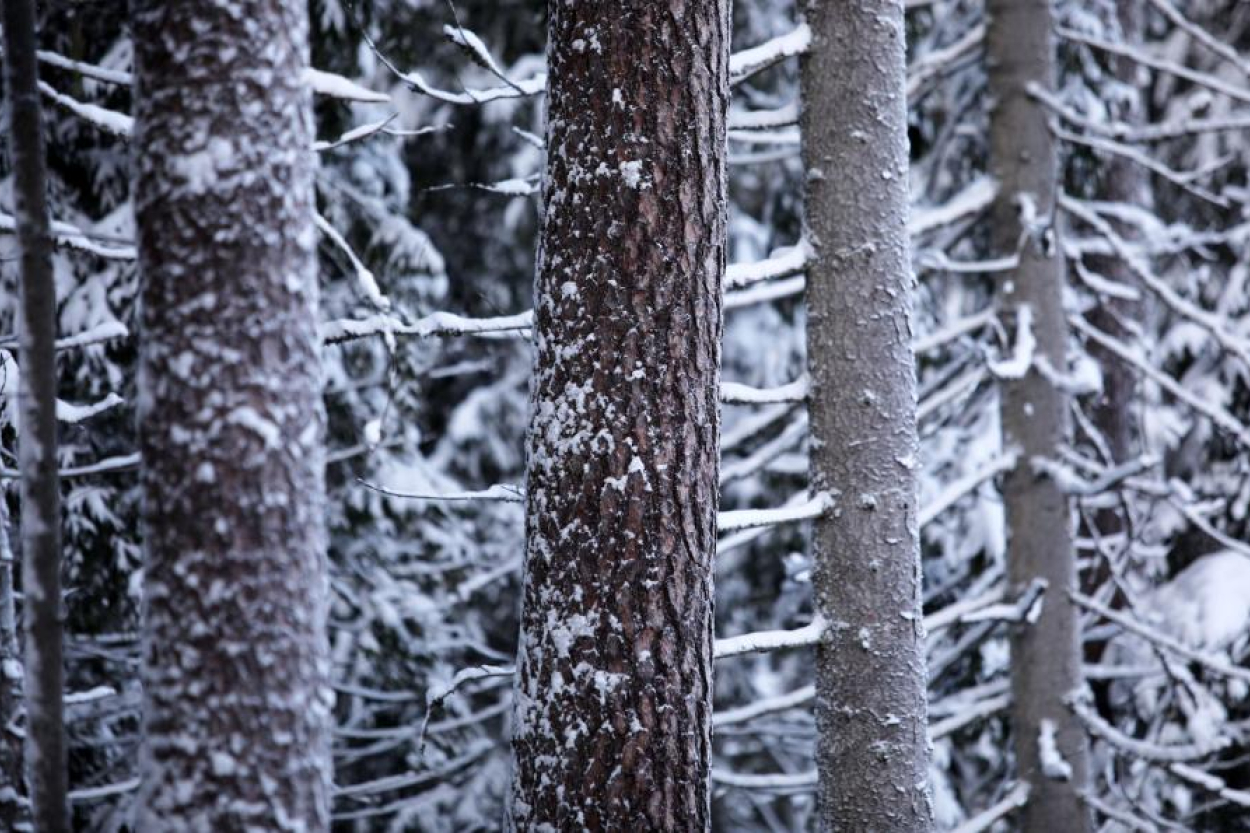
x=1046 y=658
x=614 y=694
x=871 y=711
x=231 y=422
x=41 y=488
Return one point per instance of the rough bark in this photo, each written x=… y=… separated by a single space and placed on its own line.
x=613 y=702
x=37 y=434
x=1045 y=659
x=872 y=748
x=230 y=417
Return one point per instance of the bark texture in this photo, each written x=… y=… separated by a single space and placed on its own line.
x=1046 y=658
x=871 y=708
x=231 y=422
x=37 y=440
x=614 y=696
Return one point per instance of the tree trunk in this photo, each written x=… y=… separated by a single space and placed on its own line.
x=1045 y=659
x=614 y=696
x=231 y=422
x=872 y=748
x=37 y=460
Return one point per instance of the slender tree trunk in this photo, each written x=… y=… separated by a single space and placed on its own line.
x=614 y=696
x=231 y=423
x=1046 y=658
x=872 y=748
x=37 y=441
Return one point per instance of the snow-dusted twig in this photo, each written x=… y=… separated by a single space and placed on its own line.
x=937 y=62
x=1180 y=180
x=1016 y=798
x=763 y=641
x=1213 y=45
x=110 y=121
x=957 y=489
x=1193 y=76
x=969 y=202
x=88 y=795
x=365 y=279
x=954 y=612
x=737 y=519
x=796 y=699
x=791 y=260
x=781 y=783
x=1145 y=750
x=434 y=324
x=1017 y=367
x=333 y=85
x=72 y=414
x=784 y=116
x=733 y=393
x=748 y=62
x=1073 y=484
x=1216 y=414
x=72 y=237
x=1211 y=783
x=762 y=293
x=1210 y=322
x=979 y=711
x=125 y=462
x=953 y=330
x=1144 y=133
x=108 y=76
x=500 y=492
x=1161 y=640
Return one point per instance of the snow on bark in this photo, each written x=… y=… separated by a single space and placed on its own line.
x=45 y=755
x=237 y=703
x=1045 y=656
x=872 y=750
x=612 y=725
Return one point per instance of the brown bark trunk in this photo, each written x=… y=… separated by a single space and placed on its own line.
x=614 y=689
x=37 y=441
x=1045 y=659
x=230 y=420
x=872 y=748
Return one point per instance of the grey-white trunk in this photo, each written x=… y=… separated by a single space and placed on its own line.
x=37 y=440
x=231 y=424
x=872 y=748
x=1045 y=659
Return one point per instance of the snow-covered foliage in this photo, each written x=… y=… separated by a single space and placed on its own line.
x=428 y=123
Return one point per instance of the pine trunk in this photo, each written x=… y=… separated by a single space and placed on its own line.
x=37 y=440
x=1045 y=658
x=230 y=416
x=872 y=747
x=614 y=697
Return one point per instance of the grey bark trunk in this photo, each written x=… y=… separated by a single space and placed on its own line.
x=230 y=417
x=37 y=441
x=871 y=707
x=614 y=690
x=1045 y=659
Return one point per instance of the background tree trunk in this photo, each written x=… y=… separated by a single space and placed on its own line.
x=870 y=672
x=37 y=460
x=230 y=418
x=1045 y=658
x=614 y=696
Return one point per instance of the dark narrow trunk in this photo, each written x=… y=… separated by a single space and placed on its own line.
x=614 y=693
x=1045 y=659
x=41 y=489
x=230 y=420
x=872 y=751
